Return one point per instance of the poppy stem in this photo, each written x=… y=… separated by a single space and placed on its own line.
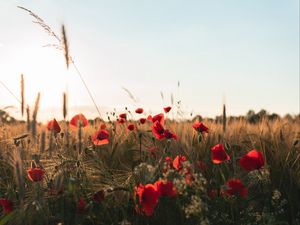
x=86 y=87
x=140 y=139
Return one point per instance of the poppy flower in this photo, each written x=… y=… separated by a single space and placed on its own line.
x=148 y=198
x=7 y=205
x=101 y=137
x=36 y=174
x=167 y=109
x=160 y=118
x=219 y=154
x=165 y=188
x=177 y=162
x=99 y=196
x=253 y=160
x=142 y=120
x=79 y=119
x=158 y=130
x=149 y=118
x=139 y=110
x=169 y=135
x=168 y=159
x=200 y=127
x=123 y=115
x=81 y=205
x=53 y=126
x=121 y=121
x=235 y=187
x=130 y=127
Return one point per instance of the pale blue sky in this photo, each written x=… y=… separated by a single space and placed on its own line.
x=247 y=51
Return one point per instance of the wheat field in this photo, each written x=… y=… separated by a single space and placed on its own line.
x=75 y=169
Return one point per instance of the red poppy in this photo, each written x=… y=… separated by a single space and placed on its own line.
x=169 y=135
x=99 y=196
x=253 y=160
x=165 y=188
x=219 y=154
x=123 y=115
x=149 y=118
x=167 y=109
x=177 y=162
x=7 y=205
x=160 y=118
x=201 y=165
x=139 y=110
x=158 y=130
x=79 y=119
x=200 y=127
x=121 y=120
x=168 y=159
x=235 y=186
x=101 y=137
x=81 y=206
x=148 y=198
x=36 y=174
x=142 y=120
x=53 y=126
x=130 y=127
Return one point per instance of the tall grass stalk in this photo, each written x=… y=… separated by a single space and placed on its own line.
x=224 y=118
x=22 y=95
x=34 y=114
x=62 y=45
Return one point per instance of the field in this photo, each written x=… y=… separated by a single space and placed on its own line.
x=140 y=175
x=130 y=167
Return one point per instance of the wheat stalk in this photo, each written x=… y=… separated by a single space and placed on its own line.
x=65 y=47
x=18 y=173
x=224 y=118
x=41 y=23
x=43 y=142
x=28 y=117
x=22 y=95
x=65 y=109
x=34 y=114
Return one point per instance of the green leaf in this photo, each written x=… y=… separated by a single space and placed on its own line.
x=7 y=218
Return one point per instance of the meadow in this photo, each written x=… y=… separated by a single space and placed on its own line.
x=150 y=171
x=136 y=168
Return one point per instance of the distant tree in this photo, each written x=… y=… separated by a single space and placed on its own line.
x=250 y=113
x=252 y=117
x=6 y=118
x=262 y=113
x=273 y=116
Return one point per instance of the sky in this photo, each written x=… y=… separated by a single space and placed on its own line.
x=244 y=53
